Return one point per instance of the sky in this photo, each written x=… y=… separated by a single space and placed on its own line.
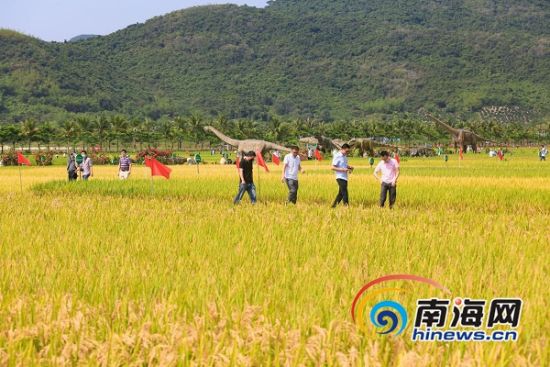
x=58 y=20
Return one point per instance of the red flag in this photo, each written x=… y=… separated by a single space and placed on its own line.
x=396 y=156
x=261 y=161
x=318 y=155
x=275 y=159
x=461 y=154
x=22 y=160
x=238 y=162
x=157 y=168
x=500 y=154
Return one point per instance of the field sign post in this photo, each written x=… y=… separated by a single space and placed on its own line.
x=198 y=160
x=79 y=159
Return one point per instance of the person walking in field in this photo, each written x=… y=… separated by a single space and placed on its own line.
x=124 y=165
x=71 y=166
x=543 y=152
x=341 y=168
x=292 y=164
x=246 y=182
x=86 y=167
x=387 y=172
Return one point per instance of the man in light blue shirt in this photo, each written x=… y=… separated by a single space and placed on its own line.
x=342 y=169
x=543 y=152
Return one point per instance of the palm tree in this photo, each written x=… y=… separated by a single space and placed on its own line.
x=134 y=135
x=85 y=130
x=180 y=130
x=224 y=124
x=69 y=132
x=245 y=129
x=196 y=128
x=47 y=132
x=29 y=130
x=274 y=129
x=120 y=129
x=147 y=133
x=165 y=128
x=100 y=128
x=312 y=126
x=4 y=136
x=13 y=134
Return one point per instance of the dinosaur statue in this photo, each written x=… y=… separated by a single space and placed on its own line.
x=327 y=144
x=247 y=145
x=367 y=145
x=309 y=140
x=337 y=143
x=460 y=137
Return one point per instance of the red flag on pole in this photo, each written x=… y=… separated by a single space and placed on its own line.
x=157 y=168
x=318 y=155
x=22 y=160
x=396 y=156
x=275 y=159
x=261 y=161
x=500 y=154
x=461 y=154
x=238 y=162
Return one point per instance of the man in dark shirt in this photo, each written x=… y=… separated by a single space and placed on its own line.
x=71 y=166
x=124 y=165
x=246 y=182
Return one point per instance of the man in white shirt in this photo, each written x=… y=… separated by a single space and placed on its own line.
x=292 y=164
x=388 y=168
x=86 y=167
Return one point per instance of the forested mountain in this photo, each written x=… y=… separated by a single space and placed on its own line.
x=82 y=37
x=326 y=59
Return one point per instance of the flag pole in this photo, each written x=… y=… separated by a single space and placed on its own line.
x=151 y=183
x=20 y=179
x=258 y=191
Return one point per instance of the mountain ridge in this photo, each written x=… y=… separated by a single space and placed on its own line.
x=321 y=59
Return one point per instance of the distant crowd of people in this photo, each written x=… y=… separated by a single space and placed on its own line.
x=386 y=172
x=81 y=164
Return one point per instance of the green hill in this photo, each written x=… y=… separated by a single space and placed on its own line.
x=325 y=59
x=82 y=37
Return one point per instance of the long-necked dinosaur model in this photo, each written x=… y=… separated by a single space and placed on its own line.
x=247 y=145
x=367 y=145
x=327 y=144
x=460 y=137
x=364 y=145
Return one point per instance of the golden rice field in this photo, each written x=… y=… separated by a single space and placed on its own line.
x=111 y=273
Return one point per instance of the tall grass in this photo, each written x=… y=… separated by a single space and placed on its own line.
x=109 y=272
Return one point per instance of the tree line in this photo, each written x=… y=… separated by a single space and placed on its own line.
x=182 y=132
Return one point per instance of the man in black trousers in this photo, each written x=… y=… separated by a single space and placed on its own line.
x=387 y=172
x=342 y=169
